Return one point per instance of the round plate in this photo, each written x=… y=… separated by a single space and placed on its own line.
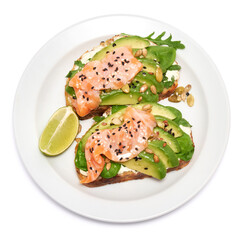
x=41 y=92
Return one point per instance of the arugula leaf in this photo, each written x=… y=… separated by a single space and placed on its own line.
x=168 y=41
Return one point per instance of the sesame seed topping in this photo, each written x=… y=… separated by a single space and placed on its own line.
x=114 y=45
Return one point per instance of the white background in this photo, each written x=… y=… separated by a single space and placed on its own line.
x=26 y=212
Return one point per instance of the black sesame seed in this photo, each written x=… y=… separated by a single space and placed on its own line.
x=103 y=85
x=122 y=54
x=144 y=74
x=126 y=70
x=133 y=119
x=107 y=79
x=94 y=68
x=105 y=69
x=90 y=168
x=110 y=146
x=118 y=79
x=97 y=73
x=145 y=168
x=92 y=87
x=120 y=158
x=114 y=45
x=136 y=149
x=113 y=133
x=144 y=67
x=128 y=121
x=103 y=78
x=95 y=171
x=83 y=96
x=139 y=121
x=108 y=136
x=87 y=98
x=107 y=52
x=187 y=94
x=99 y=144
x=144 y=138
x=137 y=81
x=120 y=144
x=123 y=63
x=113 y=52
x=116 y=69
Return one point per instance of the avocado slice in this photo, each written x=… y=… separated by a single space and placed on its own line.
x=145 y=163
x=158 y=109
x=149 y=65
x=169 y=126
x=130 y=41
x=164 y=152
x=169 y=139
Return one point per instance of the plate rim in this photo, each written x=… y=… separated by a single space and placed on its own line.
x=221 y=155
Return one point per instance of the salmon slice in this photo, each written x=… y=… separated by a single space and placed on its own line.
x=118 y=68
x=120 y=144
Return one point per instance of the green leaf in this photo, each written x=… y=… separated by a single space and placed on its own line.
x=187 y=148
x=174 y=67
x=184 y=123
x=168 y=41
x=79 y=64
x=98 y=119
x=116 y=108
x=80 y=160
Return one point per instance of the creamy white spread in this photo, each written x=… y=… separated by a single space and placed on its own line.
x=187 y=130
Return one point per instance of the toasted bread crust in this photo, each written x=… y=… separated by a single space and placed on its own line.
x=101 y=109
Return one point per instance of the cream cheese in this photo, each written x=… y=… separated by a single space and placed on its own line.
x=187 y=130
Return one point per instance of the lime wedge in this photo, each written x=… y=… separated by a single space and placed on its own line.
x=60 y=132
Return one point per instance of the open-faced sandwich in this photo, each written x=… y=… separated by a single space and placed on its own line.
x=122 y=70
x=134 y=142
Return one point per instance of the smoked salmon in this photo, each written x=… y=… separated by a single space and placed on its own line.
x=117 y=69
x=120 y=144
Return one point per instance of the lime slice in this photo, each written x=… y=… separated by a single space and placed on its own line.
x=60 y=132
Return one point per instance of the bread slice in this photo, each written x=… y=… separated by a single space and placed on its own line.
x=126 y=176
x=101 y=109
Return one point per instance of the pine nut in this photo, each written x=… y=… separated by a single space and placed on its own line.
x=147 y=107
x=108 y=166
x=143 y=88
x=153 y=89
x=116 y=121
x=138 y=53
x=147 y=150
x=190 y=100
x=159 y=74
x=144 y=52
x=126 y=88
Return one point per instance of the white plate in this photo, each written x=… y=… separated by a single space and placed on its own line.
x=41 y=92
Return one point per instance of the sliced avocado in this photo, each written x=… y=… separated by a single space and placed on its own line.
x=131 y=41
x=169 y=139
x=164 y=152
x=145 y=163
x=169 y=126
x=158 y=109
x=164 y=56
x=149 y=79
x=149 y=65
x=118 y=97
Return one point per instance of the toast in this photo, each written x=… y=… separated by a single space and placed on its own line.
x=166 y=92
